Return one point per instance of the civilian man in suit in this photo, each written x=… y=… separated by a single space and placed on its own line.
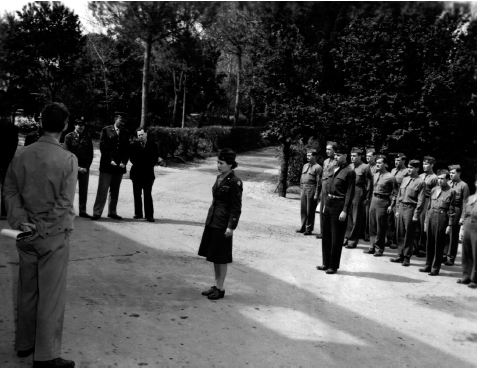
x=114 y=147
x=79 y=142
x=39 y=194
x=329 y=163
x=144 y=156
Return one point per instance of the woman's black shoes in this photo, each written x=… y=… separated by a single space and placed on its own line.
x=210 y=291
x=216 y=294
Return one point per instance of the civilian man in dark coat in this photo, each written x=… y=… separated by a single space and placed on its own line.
x=339 y=196
x=114 y=147
x=8 y=147
x=144 y=156
x=79 y=142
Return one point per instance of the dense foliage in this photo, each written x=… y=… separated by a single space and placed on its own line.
x=397 y=76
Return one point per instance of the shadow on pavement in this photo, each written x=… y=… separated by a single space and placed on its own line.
x=381 y=276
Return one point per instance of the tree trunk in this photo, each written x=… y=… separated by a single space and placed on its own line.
x=283 y=180
x=184 y=102
x=252 y=111
x=145 y=81
x=177 y=90
x=237 y=92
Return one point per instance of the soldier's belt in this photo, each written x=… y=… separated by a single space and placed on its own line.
x=331 y=196
x=382 y=196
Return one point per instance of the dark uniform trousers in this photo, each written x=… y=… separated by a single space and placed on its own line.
x=391 y=232
x=453 y=244
x=378 y=220
x=333 y=233
x=420 y=239
x=405 y=229
x=469 y=250
x=308 y=207
x=83 y=181
x=366 y=214
x=113 y=183
x=437 y=222
x=141 y=185
x=42 y=295
x=356 y=219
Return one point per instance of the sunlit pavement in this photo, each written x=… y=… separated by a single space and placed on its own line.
x=134 y=289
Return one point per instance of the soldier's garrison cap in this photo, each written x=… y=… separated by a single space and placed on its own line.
x=356 y=150
x=399 y=155
x=429 y=159
x=80 y=121
x=120 y=113
x=312 y=151
x=227 y=155
x=332 y=144
x=341 y=148
x=454 y=167
x=381 y=156
x=414 y=163
x=370 y=150
x=443 y=172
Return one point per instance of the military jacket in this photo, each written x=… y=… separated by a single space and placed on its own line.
x=341 y=184
x=461 y=192
x=82 y=146
x=115 y=148
x=431 y=182
x=226 y=205
x=412 y=191
x=442 y=201
x=328 y=167
x=40 y=187
x=470 y=209
x=311 y=174
x=385 y=184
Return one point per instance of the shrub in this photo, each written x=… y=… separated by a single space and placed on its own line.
x=25 y=124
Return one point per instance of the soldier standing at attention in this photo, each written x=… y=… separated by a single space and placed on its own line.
x=410 y=199
x=461 y=194
x=329 y=163
x=431 y=181
x=79 y=142
x=469 y=242
x=439 y=217
x=384 y=188
x=114 y=146
x=371 y=159
x=356 y=218
x=339 y=195
x=310 y=189
x=400 y=171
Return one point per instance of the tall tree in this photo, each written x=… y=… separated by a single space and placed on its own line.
x=149 y=22
x=43 y=47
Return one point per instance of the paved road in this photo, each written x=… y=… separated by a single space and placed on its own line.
x=134 y=290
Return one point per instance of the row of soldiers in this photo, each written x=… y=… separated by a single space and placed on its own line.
x=418 y=214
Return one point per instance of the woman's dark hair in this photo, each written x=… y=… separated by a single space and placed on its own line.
x=53 y=117
x=233 y=163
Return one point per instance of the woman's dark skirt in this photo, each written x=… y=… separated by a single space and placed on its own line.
x=215 y=246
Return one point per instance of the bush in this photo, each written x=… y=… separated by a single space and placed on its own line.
x=190 y=142
x=25 y=124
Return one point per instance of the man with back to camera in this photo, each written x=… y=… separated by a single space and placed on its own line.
x=39 y=194
x=356 y=216
x=371 y=159
x=114 y=147
x=79 y=142
x=410 y=199
x=339 y=195
x=439 y=218
x=431 y=181
x=329 y=163
x=400 y=171
x=384 y=187
x=144 y=156
x=310 y=182
x=461 y=195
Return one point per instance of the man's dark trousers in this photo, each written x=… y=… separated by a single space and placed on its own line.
x=420 y=240
x=437 y=221
x=83 y=181
x=469 y=250
x=405 y=230
x=391 y=235
x=308 y=207
x=113 y=183
x=452 y=246
x=378 y=221
x=333 y=233
x=140 y=186
x=356 y=219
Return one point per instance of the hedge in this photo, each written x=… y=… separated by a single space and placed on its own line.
x=189 y=142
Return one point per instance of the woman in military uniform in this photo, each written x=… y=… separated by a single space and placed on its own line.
x=222 y=219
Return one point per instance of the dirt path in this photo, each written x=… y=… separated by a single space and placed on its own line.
x=134 y=290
